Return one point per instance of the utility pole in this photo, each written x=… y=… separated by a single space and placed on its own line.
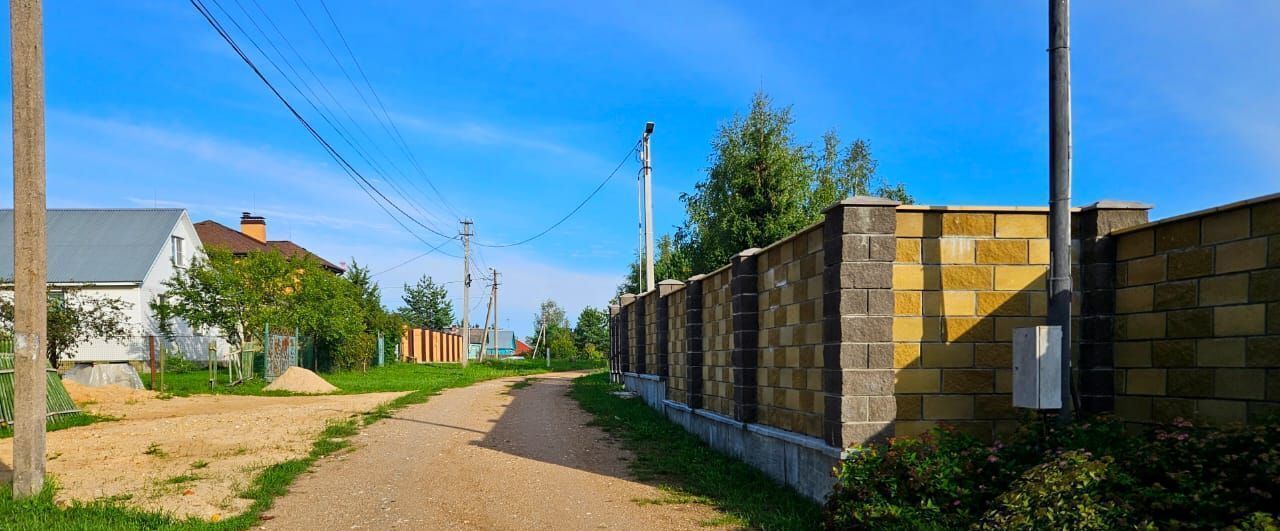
x=30 y=251
x=484 y=331
x=494 y=297
x=646 y=160
x=1060 y=188
x=466 y=290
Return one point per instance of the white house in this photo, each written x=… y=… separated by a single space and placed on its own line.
x=121 y=253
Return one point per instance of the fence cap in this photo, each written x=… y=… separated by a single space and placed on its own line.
x=1112 y=204
x=864 y=200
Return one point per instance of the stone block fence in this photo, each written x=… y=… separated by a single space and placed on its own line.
x=887 y=319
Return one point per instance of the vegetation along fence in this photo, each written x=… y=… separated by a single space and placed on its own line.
x=888 y=319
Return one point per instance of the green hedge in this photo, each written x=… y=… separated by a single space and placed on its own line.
x=1088 y=475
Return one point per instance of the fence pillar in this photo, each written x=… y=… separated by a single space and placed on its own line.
x=641 y=326
x=744 y=356
x=627 y=300
x=663 y=324
x=857 y=327
x=1097 y=273
x=615 y=372
x=693 y=340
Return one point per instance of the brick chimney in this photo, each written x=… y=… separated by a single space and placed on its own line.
x=253 y=226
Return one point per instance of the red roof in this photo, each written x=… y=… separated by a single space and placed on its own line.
x=522 y=348
x=214 y=234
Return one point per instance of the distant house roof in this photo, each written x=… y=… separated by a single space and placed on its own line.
x=214 y=234
x=522 y=348
x=97 y=245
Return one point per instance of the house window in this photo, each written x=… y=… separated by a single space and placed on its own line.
x=176 y=250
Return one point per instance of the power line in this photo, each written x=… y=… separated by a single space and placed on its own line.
x=404 y=146
x=351 y=171
x=575 y=209
x=406 y=262
x=387 y=177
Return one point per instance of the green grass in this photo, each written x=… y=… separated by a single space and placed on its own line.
x=68 y=421
x=40 y=512
x=688 y=471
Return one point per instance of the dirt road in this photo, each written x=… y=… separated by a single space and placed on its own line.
x=187 y=456
x=482 y=457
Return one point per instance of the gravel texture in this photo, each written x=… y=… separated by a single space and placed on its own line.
x=482 y=457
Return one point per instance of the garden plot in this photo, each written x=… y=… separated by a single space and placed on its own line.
x=187 y=456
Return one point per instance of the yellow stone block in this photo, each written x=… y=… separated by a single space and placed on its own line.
x=955 y=250
x=1002 y=251
x=951 y=407
x=912 y=428
x=1135 y=244
x=1003 y=303
x=1141 y=326
x=1226 y=226
x=917 y=328
x=906 y=303
x=1133 y=300
x=908 y=251
x=918 y=225
x=958 y=303
x=917 y=380
x=1145 y=382
x=1021 y=225
x=1038 y=251
x=946 y=355
x=908 y=277
x=969 y=328
x=1147 y=270
x=1239 y=256
x=906 y=355
x=962 y=277
x=1239 y=320
x=967 y=224
x=1032 y=277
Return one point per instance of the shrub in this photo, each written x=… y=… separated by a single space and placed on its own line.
x=1071 y=491
x=1087 y=475
x=355 y=352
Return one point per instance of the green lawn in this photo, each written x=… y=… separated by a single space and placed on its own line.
x=689 y=471
x=423 y=380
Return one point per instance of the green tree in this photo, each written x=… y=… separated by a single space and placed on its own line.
x=762 y=186
x=74 y=318
x=560 y=341
x=591 y=330
x=377 y=319
x=235 y=295
x=427 y=305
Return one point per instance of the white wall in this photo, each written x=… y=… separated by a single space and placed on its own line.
x=142 y=323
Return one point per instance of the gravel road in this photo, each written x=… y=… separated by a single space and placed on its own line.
x=482 y=457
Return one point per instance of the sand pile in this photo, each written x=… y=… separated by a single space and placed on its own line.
x=299 y=380
x=108 y=394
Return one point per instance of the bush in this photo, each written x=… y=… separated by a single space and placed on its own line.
x=1088 y=475
x=176 y=362
x=355 y=352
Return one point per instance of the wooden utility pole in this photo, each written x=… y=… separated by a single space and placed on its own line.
x=29 y=247
x=466 y=290
x=1060 y=188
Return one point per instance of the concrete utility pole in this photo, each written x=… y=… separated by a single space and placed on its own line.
x=1060 y=187
x=646 y=159
x=30 y=251
x=494 y=297
x=466 y=290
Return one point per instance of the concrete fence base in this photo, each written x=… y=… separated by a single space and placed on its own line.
x=801 y=462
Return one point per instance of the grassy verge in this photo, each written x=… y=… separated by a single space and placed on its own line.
x=423 y=381
x=71 y=421
x=689 y=471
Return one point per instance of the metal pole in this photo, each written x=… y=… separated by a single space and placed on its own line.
x=466 y=290
x=1060 y=188
x=648 y=208
x=495 y=311
x=151 y=349
x=26 y=41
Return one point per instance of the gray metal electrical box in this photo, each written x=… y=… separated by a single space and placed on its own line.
x=1037 y=367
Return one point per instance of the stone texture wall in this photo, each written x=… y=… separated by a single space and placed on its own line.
x=1198 y=316
x=651 y=332
x=677 y=342
x=789 y=367
x=717 y=343
x=963 y=280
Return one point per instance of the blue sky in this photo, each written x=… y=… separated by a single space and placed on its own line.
x=517 y=110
